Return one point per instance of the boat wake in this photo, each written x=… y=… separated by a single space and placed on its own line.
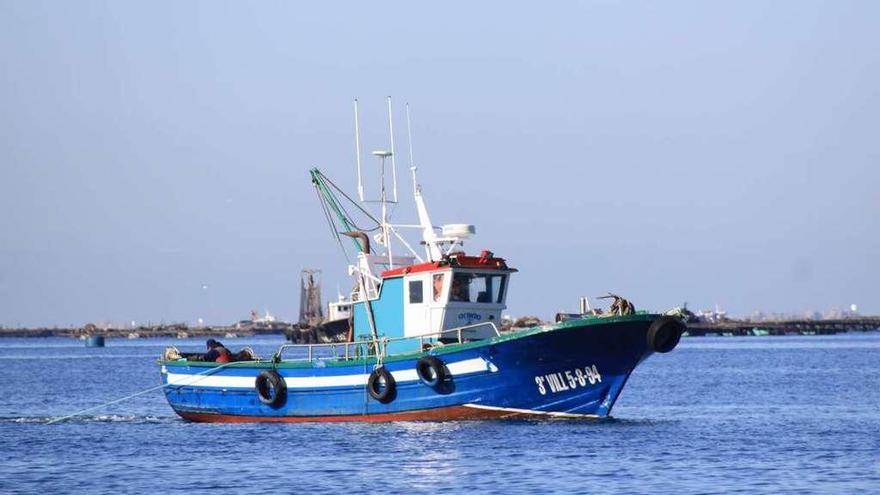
x=99 y=418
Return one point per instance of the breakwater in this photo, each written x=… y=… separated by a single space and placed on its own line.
x=784 y=327
x=176 y=330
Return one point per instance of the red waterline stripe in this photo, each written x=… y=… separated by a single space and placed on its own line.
x=438 y=414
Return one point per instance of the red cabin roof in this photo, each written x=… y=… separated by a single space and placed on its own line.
x=486 y=260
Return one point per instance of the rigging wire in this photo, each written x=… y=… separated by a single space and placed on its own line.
x=329 y=199
x=353 y=224
x=329 y=218
x=355 y=203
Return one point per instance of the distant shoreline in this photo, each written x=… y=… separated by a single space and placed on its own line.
x=162 y=331
x=727 y=327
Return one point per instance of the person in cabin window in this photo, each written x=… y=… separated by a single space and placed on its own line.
x=438 y=286
x=459 y=288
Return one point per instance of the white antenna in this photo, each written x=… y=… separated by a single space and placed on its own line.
x=357 y=146
x=382 y=154
x=409 y=137
x=393 y=163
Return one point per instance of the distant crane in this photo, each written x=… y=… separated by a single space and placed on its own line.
x=310 y=311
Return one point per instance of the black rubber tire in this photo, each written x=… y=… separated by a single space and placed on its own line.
x=664 y=333
x=431 y=371
x=376 y=390
x=267 y=381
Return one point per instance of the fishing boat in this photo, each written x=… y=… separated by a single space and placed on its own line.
x=337 y=325
x=425 y=340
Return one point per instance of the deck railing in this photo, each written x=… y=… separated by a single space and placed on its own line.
x=367 y=348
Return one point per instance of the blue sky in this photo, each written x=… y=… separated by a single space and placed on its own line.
x=680 y=151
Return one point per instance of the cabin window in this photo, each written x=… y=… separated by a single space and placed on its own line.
x=495 y=285
x=415 y=292
x=477 y=288
x=438 y=286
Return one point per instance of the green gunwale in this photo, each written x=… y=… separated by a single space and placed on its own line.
x=437 y=351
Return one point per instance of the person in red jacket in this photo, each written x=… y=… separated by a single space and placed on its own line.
x=216 y=352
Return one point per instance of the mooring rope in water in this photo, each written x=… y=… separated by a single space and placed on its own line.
x=201 y=375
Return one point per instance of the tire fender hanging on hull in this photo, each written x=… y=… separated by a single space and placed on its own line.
x=381 y=385
x=271 y=388
x=431 y=371
x=664 y=334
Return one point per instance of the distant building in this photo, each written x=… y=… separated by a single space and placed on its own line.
x=711 y=316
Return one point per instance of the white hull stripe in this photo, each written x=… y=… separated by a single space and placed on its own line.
x=468 y=366
x=531 y=411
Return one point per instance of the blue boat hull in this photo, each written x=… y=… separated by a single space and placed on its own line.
x=571 y=369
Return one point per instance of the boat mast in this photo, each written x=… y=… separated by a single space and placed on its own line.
x=383 y=200
x=409 y=137
x=428 y=236
x=433 y=243
x=357 y=150
x=393 y=162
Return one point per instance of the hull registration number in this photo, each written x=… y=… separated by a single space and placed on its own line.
x=568 y=380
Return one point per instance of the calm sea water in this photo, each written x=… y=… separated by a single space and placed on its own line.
x=732 y=415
